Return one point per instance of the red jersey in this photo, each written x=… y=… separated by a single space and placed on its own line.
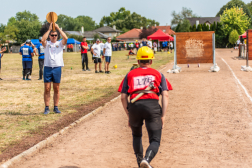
x=82 y=49
x=140 y=78
x=137 y=45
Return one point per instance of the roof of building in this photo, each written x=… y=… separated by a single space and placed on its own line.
x=203 y=20
x=106 y=29
x=165 y=29
x=131 y=34
x=87 y=34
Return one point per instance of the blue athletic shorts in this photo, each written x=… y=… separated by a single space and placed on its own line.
x=52 y=74
x=107 y=59
x=101 y=52
x=27 y=64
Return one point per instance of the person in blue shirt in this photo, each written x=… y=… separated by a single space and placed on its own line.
x=27 y=53
x=40 y=53
x=1 y=55
x=144 y=42
x=165 y=45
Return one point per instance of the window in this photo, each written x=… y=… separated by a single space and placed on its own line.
x=110 y=34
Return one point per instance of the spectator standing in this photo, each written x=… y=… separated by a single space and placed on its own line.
x=125 y=46
x=137 y=45
x=171 y=46
x=41 y=57
x=149 y=43
x=1 y=56
x=155 y=47
x=144 y=42
x=27 y=53
x=107 y=52
x=84 y=56
x=11 y=49
x=96 y=50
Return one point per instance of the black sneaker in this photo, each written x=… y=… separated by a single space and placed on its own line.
x=108 y=72
x=88 y=69
x=40 y=79
x=96 y=72
x=1 y=79
x=101 y=71
x=83 y=70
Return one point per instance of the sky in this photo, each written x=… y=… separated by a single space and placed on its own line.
x=159 y=10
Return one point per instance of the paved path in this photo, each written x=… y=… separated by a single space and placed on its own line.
x=208 y=125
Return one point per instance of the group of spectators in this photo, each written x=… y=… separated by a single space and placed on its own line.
x=100 y=52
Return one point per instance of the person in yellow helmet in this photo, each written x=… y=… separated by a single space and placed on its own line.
x=144 y=85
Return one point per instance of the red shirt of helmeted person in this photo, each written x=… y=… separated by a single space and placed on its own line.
x=140 y=78
x=83 y=51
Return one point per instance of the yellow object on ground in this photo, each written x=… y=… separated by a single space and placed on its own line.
x=115 y=66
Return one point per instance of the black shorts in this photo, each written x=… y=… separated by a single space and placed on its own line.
x=96 y=60
x=0 y=63
x=148 y=110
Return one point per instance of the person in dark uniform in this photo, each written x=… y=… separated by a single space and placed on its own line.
x=149 y=83
x=27 y=53
x=41 y=54
x=1 y=56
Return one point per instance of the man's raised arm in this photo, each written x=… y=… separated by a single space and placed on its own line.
x=64 y=40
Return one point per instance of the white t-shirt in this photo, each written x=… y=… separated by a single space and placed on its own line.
x=97 y=49
x=54 y=54
x=101 y=45
x=108 y=51
x=150 y=44
x=171 y=44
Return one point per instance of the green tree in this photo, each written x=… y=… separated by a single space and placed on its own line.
x=221 y=40
x=184 y=26
x=234 y=19
x=194 y=29
x=124 y=20
x=233 y=37
x=26 y=15
x=207 y=28
x=214 y=26
x=235 y=3
x=23 y=26
x=181 y=16
x=199 y=28
x=75 y=24
x=96 y=36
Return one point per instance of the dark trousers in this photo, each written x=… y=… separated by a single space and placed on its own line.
x=150 y=111
x=84 y=60
x=41 y=67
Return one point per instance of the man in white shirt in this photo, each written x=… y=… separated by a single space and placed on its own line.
x=53 y=62
x=101 y=45
x=107 y=52
x=171 y=46
x=149 y=43
x=96 y=50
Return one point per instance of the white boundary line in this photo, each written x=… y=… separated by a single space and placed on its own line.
x=245 y=90
x=50 y=139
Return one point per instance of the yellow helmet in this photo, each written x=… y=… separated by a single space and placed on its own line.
x=145 y=53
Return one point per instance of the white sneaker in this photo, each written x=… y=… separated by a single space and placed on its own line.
x=145 y=164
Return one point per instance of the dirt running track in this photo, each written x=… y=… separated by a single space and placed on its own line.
x=208 y=124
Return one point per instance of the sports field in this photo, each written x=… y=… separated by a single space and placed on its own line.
x=22 y=103
x=208 y=124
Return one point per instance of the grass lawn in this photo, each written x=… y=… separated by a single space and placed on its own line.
x=22 y=102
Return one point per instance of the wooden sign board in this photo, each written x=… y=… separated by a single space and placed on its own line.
x=249 y=43
x=194 y=47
